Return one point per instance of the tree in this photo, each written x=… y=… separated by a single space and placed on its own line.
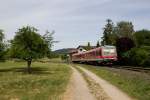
x=112 y=33
x=48 y=38
x=123 y=45
x=124 y=29
x=98 y=44
x=1 y=36
x=142 y=38
x=28 y=45
x=107 y=34
x=2 y=45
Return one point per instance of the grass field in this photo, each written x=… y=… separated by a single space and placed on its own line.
x=47 y=81
x=137 y=85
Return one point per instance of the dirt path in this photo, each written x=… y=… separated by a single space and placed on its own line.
x=78 y=88
x=113 y=92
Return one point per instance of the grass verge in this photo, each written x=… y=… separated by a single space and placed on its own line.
x=48 y=81
x=134 y=84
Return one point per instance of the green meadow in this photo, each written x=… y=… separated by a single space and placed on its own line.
x=47 y=81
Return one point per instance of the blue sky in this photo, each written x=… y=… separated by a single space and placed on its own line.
x=76 y=22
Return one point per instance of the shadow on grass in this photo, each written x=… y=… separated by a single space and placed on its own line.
x=55 y=62
x=34 y=70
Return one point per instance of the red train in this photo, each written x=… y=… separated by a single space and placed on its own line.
x=103 y=54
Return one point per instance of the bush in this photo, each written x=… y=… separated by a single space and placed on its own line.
x=124 y=58
x=52 y=55
x=64 y=57
x=139 y=57
x=3 y=56
x=147 y=61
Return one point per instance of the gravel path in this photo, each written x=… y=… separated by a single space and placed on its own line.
x=113 y=92
x=78 y=88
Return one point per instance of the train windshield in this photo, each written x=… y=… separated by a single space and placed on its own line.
x=109 y=51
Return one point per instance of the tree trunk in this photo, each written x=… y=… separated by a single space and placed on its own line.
x=29 y=66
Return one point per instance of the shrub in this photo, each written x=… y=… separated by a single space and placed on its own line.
x=139 y=57
x=147 y=61
x=124 y=58
x=64 y=57
x=52 y=55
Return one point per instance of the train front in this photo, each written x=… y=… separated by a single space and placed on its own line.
x=109 y=53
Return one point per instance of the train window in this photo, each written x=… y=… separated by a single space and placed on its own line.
x=108 y=52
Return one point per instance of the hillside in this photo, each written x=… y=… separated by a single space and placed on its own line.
x=64 y=50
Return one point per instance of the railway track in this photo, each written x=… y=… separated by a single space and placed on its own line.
x=138 y=69
x=131 y=68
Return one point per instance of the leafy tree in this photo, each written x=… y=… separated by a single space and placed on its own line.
x=1 y=36
x=112 y=33
x=48 y=38
x=98 y=44
x=123 y=45
x=107 y=34
x=124 y=29
x=28 y=45
x=2 y=45
x=142 y=38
